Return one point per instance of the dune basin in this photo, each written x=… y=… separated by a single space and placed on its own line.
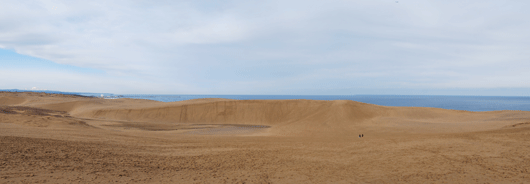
x=54 y=138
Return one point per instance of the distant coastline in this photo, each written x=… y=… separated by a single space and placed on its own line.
x=469 y=103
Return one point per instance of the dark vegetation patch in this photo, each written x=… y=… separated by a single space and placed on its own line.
x=520 y=124
x=31 y=111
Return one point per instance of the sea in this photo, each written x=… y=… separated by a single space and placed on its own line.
x=468 y=103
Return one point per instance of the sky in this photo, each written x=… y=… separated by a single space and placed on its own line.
x=284 y=47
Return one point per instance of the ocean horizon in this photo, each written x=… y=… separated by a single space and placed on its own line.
x=468 y=103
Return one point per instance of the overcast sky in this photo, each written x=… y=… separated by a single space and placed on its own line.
x=441 y=47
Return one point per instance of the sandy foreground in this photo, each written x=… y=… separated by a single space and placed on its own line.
x=46 y=138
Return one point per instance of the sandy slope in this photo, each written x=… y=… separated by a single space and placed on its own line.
x=65 y=139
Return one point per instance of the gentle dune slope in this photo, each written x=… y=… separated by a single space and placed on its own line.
x=11 y=100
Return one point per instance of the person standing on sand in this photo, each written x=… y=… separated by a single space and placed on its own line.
x=362 y=135
x=359 y=135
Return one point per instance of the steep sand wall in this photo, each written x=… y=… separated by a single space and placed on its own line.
x=267 y=112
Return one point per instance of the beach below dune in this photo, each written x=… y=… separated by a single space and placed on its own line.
x=66 y=139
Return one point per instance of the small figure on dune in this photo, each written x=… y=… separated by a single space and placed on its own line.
x=362 y=135
x=359 y=135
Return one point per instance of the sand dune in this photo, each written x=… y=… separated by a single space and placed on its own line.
x=63 y=138
x=326 y=118
x=11 y=100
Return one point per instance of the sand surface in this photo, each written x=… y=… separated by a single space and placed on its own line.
x=47 y=138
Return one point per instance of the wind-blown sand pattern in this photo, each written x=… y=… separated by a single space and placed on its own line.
x=66 y=139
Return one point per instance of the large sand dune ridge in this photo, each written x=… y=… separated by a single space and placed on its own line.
x=255 y=141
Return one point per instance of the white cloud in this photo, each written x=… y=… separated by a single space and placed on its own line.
x=202 y=44
x=36 y=88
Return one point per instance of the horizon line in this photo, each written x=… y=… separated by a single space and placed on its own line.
x=117 y=94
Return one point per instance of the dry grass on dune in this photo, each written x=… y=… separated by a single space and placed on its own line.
x=65 y=139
